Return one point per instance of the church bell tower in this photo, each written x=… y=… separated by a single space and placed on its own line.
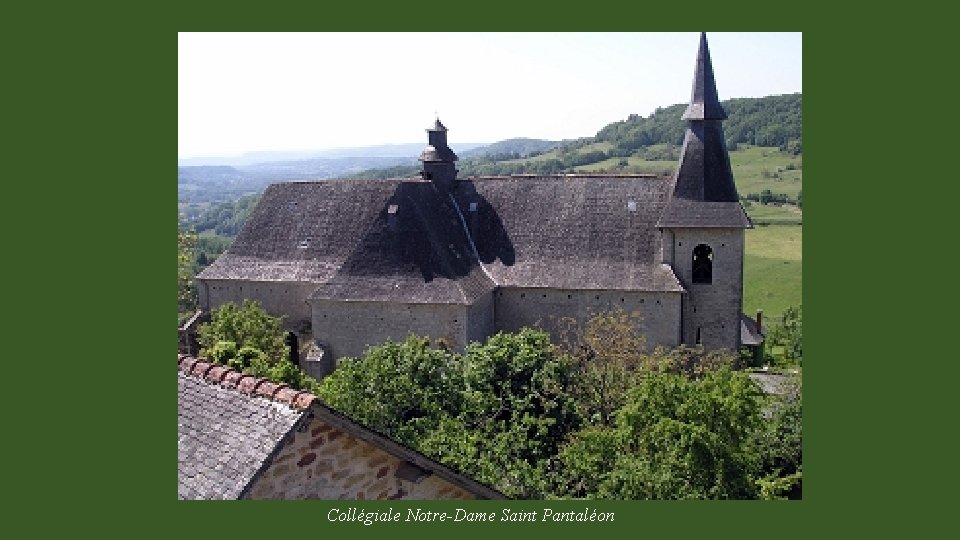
x=703 y=222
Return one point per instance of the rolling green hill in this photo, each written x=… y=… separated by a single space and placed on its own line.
x=773 y=270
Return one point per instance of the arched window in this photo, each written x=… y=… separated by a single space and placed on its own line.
x=702 y=264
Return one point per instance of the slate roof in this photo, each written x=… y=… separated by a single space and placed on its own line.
x=224 y=437
x=344 y=236
x=229 y=426
x=414 y=250
x=401 y=240
x=570 y=231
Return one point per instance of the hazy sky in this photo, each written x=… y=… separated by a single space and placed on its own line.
x=241 y=92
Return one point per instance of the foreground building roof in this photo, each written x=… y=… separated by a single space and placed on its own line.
x=232 y=427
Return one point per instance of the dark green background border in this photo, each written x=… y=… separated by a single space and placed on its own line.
x=90 y=223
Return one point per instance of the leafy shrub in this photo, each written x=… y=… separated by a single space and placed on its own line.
x=788 y=335
x=247 y=325
x=223 y=352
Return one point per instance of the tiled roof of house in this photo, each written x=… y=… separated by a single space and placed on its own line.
x=229 y=425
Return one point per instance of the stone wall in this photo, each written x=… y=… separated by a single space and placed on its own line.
x=481 y=322
x=349 y=328
x=713 y=308
x=323 y=462
x=519 y=307
x=276 y=297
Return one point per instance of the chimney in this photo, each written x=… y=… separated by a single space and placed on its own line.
x=760 y=321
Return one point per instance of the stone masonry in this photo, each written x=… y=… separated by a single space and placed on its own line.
x=320 y=461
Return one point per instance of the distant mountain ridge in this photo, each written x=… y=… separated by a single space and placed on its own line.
x=521 y=146
x=403 y=150
x=767 y=121
x=214 y=180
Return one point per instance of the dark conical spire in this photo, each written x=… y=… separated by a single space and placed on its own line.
x=704 y=194
x=704 y=103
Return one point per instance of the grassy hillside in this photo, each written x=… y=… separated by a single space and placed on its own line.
x=757 y=168
x=773 y=270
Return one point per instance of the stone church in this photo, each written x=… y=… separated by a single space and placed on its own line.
x=359 y=262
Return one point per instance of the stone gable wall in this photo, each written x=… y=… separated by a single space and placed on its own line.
x=323 y=462
x=519 y=307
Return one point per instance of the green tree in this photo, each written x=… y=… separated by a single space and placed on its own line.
x=402 y=389
x=186 y=290
x=676 y=438
x=245 y=325
x=779 y=443
x=516 y=412
x=246 y=338
x=608 y=352
x=586 y=461
x=497 y=413
x=788 y=335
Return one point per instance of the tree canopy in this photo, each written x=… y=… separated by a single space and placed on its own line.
x=599 y=417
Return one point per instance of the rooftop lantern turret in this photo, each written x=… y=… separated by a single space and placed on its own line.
x=438 y=159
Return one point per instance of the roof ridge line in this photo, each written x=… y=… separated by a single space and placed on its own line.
x=232 y=379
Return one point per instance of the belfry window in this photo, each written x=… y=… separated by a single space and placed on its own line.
x=702 y=264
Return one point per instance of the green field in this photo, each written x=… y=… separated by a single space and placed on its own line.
x=756 y=168
x=773 y=214
x=634 y=165
x=773 y=270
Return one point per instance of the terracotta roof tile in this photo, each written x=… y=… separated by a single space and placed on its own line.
x=303 y=400
x=248 y=383
x=232 y=378
x=200 y=368
x=216 y=374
